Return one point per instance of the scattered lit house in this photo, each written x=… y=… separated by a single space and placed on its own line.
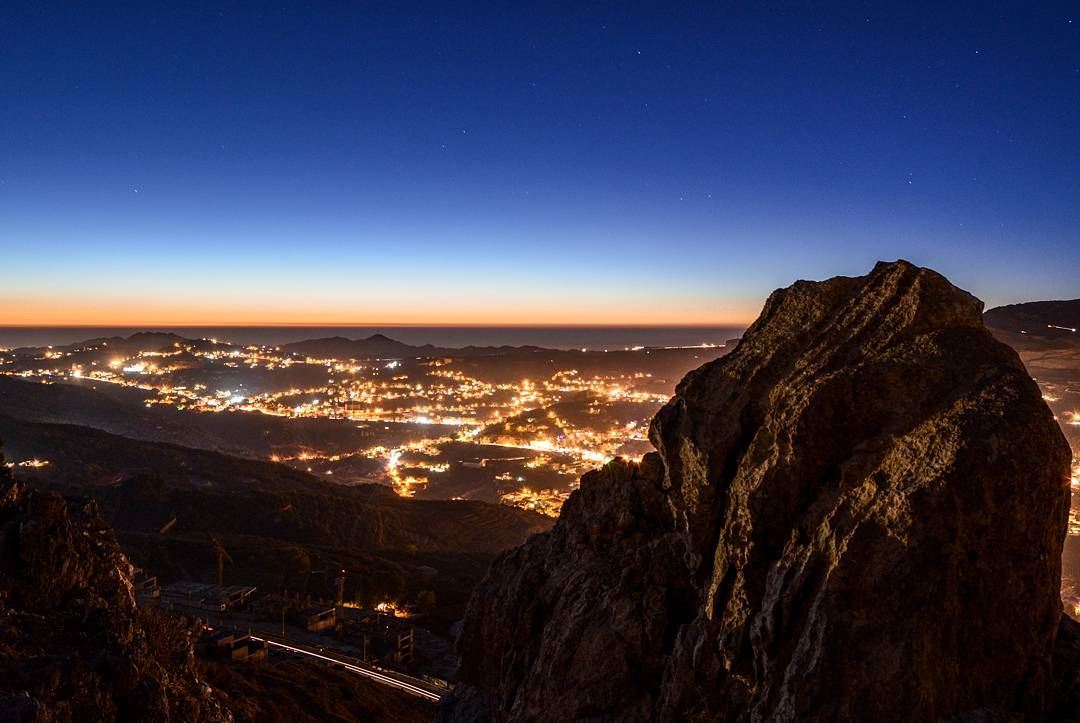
x=234 y=646
x=146 y=586
x=249 y=650
x=318 y=619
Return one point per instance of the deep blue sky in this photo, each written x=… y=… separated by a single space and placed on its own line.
x=526 y=162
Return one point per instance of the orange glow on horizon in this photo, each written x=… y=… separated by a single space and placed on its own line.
x=57 y=310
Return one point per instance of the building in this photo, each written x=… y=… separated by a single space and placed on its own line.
x=146 y=586
x=233 y=646
x=317 y=619
x=207 y=597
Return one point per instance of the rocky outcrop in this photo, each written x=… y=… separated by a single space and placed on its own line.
x=857 y=514
x=73 y=645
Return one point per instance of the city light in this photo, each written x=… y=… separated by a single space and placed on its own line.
x=563 y=421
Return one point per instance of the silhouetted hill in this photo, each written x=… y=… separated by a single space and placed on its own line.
x=376 y=346
x=139 y=341
x=379 y=346
x=1039 y=318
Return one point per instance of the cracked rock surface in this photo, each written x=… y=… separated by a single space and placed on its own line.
x=857 y=514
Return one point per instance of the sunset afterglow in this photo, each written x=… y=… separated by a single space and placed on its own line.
x=292 y=308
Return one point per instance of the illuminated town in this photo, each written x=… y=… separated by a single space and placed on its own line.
x=500 y=427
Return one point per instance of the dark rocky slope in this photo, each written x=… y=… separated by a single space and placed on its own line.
x=858 y=514
x=73 y=645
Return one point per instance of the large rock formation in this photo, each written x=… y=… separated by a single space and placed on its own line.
x=858 y=514
x=73 y=645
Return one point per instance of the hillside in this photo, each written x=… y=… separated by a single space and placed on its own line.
x=122 y=411
x=282 y=526
x=73 y=644
x=1039 y=318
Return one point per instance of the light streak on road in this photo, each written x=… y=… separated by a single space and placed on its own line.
x=373 y=674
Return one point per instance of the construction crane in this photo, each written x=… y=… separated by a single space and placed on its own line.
x=222 y=557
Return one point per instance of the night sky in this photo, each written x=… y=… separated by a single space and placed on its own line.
x=521 y=162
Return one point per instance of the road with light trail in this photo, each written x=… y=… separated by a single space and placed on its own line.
x=396 y=680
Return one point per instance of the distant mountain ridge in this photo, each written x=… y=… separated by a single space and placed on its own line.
x=131 y=344
x=376 y=346
x=1044 y=318
x=380 y=346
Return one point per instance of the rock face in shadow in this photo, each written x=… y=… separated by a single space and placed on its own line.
x=858 y=514
x=73 y=645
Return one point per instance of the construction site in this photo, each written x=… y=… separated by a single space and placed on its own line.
x=241 y=624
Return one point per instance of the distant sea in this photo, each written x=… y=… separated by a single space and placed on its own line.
x=554 y=337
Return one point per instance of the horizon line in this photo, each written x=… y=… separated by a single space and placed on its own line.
x=376 y=325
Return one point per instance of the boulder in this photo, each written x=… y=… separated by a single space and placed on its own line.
x=857 y=514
